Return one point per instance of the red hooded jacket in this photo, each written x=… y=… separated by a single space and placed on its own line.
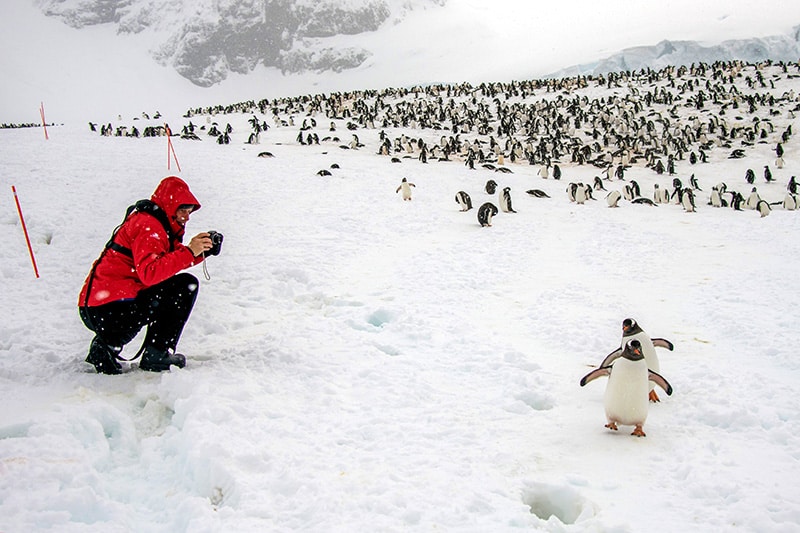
x=116 y=276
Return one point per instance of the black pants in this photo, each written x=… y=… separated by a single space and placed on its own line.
x=164 y=308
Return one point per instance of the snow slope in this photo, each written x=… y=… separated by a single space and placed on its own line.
x=360 y=363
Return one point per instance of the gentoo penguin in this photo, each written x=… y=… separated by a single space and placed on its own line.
x=753 y=199
x=645 y=201
x=715 y=199
x=485 y=214
x=538 y=193
x=632 y=331
x=612 y=198
x=544 y=172
x=405 y=186
x=464 y=200
x=790 y=202
x=625 y=397
x=687 y=200
x=572 y=188
x=792 y=185
x=598 y=184
x=505 y=200
x=763 y=208
x=627 y=192
x=580 y=194
x=768 y=174
x=491 y=187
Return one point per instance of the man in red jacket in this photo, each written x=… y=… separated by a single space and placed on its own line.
x=136 y=282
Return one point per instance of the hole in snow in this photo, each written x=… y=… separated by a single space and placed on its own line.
x=379 y=318
x=561 y=502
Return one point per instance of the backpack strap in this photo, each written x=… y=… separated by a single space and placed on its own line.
x=149 y=207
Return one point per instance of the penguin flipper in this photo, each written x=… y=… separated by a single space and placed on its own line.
x=594 y=374
x=659 y=380
x=610 y=358
x=663 y=343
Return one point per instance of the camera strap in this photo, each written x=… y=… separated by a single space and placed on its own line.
x=205 y=268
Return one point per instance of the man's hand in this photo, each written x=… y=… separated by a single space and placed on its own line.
x=200 y=243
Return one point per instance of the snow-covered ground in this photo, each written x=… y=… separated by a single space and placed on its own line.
x=361 y=363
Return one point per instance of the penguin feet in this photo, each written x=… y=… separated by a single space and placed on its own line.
x=654 y=397
x=612 y=425
x=638 y=431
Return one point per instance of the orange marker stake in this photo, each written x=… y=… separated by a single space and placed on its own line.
x=25 y=230
x=171 y=149
x=44 y=123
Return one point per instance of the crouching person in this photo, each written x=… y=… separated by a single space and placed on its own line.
x=137 y=281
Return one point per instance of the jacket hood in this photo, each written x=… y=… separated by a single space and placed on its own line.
x=171 y=193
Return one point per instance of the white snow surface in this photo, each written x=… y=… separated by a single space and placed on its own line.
x=361 y=363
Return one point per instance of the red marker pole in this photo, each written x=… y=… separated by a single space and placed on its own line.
x=171 y=149
x=44 y=123
x=25 y=230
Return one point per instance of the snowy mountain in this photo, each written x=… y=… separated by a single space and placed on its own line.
x=98 y=60
x=777 y=48
x=207 y=40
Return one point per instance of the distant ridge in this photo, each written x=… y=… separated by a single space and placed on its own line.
x=677 y=53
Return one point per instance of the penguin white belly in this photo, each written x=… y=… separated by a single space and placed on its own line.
x=649 y=352
x=626 y=399
x=405 y=191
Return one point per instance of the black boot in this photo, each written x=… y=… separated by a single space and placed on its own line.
x=156 y=360
x=103 y=357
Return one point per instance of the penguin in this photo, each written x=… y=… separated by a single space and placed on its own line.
x=632 y=331
x=572 y=189
x=628 y=378
x=715 y=199
x=763 y=208
x=753 y=199
x=790 y=202
x=643 y=200
x=463 y=199
x=750 y=176
x=538 y=193
x=505 y=200
x=657 y=196
x=580 y=194
x=485 y=214
x=687 y=200
x=324 y=172
x=405 y=186
x=491 y=187
x=544 y=172
x=768 y=174
x=612 y=198
x=598 y=184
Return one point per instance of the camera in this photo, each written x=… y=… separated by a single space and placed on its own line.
x=216 y=241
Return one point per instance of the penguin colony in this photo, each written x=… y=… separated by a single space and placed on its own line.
x=632 y=130
x=631 y=127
